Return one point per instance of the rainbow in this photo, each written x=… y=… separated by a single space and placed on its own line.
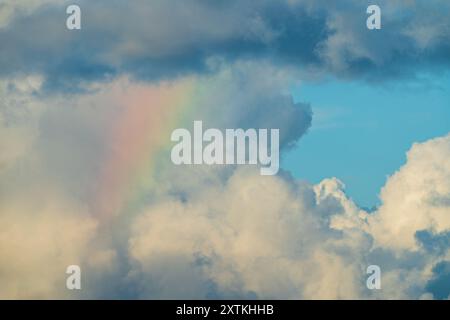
x=142 y=131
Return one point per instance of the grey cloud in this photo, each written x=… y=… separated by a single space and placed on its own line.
x=162 y=40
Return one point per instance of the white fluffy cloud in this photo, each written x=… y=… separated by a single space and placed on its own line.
x=273 y=237
x=417 y=197
x=252 y=235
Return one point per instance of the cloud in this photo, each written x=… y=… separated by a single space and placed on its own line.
x=274 y=237
x=84 y=176
x=206 y=232
x=140 y=40
x=408 y=42
x=40 y=237
x=70 y=157
x=9 y=9
x=413 y=196
x=201 y=232
x=250 y=236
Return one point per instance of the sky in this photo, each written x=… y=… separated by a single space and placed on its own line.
x=86 y=177
x=373 y=124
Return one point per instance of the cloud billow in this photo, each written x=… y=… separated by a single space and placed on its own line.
x=162 y=40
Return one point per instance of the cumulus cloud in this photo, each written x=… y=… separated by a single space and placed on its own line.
x=67 y=158
x=416 y=197
x=274 y=237
x=250 y=236
x=227 y=233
